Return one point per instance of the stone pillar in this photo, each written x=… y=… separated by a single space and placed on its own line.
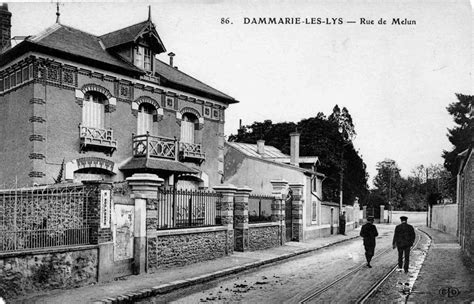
x=241 y=219
x=226 y=208
x=364 y=213
x=278 y=209
x=297 y=211
x=100 y=205
x=144 y=187
x=382 y=215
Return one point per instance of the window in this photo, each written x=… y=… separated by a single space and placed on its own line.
x=93 y=110
x=145 y=119
x=187 y=128
x=147 y=60
x=143 y=58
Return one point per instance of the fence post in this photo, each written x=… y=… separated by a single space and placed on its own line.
x=99 y=196
x=144 y=187
x=226 y=208
x=278 y=207
x=241 y=219
x=297 y=211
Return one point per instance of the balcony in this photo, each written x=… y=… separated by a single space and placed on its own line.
x=97 y=139
x=154 y=146
x=191 y=152
x=168 y=148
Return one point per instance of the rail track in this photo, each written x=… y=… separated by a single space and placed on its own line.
x=314 y=294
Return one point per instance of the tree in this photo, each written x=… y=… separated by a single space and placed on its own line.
x=319 y=136
x=460 y=136
x=388 y=182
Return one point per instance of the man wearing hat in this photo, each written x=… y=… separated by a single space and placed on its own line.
x=369 y=233
x=403 y=239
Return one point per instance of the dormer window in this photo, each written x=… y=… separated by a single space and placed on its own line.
x=142 y=58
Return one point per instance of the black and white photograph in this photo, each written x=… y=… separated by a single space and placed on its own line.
x=218 y=151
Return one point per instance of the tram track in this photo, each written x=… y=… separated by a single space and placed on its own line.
x=314 y=294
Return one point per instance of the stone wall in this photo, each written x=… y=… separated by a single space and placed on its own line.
x=264 y=236
x=23 y=273
x=445 y=218
x=185 y=246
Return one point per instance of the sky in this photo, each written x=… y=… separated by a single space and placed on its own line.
x=395 y=80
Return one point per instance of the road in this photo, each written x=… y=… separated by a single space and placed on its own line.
x=296 y=278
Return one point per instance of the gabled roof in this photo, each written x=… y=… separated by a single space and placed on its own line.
x=182 y=81
x=131 y=34
x=251 y=150
x=275 y=156
x=70 y=43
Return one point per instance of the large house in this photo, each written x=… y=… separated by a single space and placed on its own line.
x=75 y=106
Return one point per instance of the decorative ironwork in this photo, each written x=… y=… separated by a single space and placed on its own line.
x=260 y=208
x=191 y=151
x=43 y=217
x=154 y=146
x=102 y=138
x=187 y=208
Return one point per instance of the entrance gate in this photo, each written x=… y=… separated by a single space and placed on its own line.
x=289 y=216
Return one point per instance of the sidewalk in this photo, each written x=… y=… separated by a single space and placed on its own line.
x=136 y=287
x=443 y=277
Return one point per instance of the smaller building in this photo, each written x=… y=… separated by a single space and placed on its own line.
x=256 y=165
x=465 y=200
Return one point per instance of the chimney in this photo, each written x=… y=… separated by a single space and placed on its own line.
x=261 y=147
x=295 y=148
x=5 y=25
x=171 y=54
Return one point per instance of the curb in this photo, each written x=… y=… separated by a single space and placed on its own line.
x=130 y=297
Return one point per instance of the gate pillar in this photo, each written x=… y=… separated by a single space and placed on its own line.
x=241 y=219
x=144 y=186
x=297 y=212
x=278 y=210
x=226 y=208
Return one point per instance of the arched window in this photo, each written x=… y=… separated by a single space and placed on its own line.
x=145 y=119
x=93 y=110
x=187 y=127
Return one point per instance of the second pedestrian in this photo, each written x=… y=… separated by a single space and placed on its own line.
x=369 y=233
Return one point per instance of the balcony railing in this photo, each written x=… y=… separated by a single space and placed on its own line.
x=98 y=138
x=154 y=146
x=191 y=151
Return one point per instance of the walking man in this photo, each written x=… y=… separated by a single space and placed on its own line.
x=369 y=233
x=403 y=239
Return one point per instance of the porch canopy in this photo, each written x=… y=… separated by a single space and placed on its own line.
x=150 y=164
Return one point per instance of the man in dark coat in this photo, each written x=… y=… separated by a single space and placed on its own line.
x=403 y=239
x=342 y=223
x=369 y=233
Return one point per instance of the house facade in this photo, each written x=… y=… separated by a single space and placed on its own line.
x=76 y=106
x=256 y=165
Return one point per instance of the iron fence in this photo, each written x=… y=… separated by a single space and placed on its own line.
x=260 y=208
x=188 y=208
x=42 y=217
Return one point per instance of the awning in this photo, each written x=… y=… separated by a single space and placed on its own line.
x=150 y=164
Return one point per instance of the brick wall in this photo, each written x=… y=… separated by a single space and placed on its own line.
x=466 y=211
x=21 y=274
x=15 y=132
